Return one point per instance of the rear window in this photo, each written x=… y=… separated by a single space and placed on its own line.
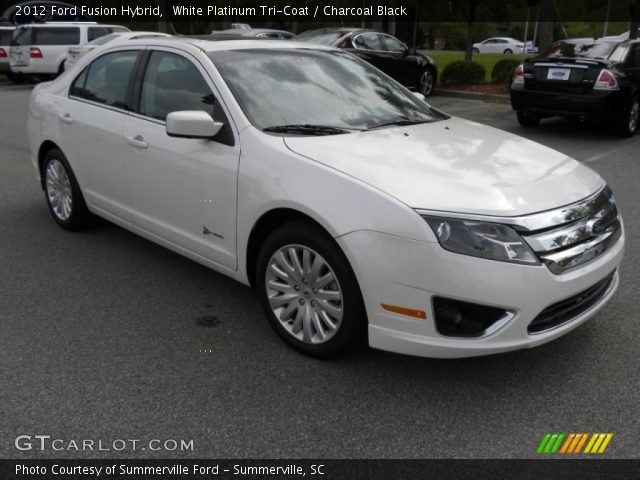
x=5 y=37
x=596 y=51
x=97 y=32
x=21 y=36
x=56 y=36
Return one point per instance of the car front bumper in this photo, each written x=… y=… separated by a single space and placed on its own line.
x=411 y=272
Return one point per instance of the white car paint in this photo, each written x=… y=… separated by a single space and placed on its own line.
x=500 y=45
x=363 y=188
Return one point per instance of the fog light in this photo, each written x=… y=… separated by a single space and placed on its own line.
x=463 y=319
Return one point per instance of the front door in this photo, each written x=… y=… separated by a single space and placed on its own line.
x=181 y=189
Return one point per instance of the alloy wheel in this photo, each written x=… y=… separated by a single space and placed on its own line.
x=634 y=113
x=304 y=294
x=59 y=190
x=426 y=83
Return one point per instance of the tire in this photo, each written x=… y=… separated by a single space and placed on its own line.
x=628 y=123
x=324 y=322
x=427 y=82
x=528 y=119
x=62 y=192
x=508 y=51
x=475 y=50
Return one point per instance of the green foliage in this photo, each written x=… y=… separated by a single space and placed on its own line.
x=463 y=73
x=503 y=69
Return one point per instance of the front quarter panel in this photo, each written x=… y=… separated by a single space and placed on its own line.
x=272 y=177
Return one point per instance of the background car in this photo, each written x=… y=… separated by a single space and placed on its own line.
x=75 y=53
x=598 y=80
x=384 y=51
x=41 y=49
x=505 y=45
x=5 y=43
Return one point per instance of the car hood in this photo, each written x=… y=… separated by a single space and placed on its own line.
x=455 y=165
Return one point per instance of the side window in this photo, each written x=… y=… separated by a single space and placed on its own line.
x=97 y=32
x=107 y=79
x=56 y=36
x=369 y=41
x=394 y=45
x=172 y=83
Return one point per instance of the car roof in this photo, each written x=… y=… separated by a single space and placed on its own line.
x=223 y=45
x=343 y=30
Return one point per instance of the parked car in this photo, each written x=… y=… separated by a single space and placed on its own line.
x=621 y=37
x=505 y=45
x=5 y=43
x=354 y=208
x=383 y=51
x=599 y=80
x=237 y=33
x=40 y=49
x=75 y=53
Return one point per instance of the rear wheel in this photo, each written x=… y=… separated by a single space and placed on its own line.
x=309 y=292
x=508 y=51
x=64 y=198
x=628 y=123
x=528 y=119
x=15 y=77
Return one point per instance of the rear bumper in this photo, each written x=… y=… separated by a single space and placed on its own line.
x=599 y=105
x=35 y=68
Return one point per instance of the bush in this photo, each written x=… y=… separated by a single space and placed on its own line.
x=463 y=73
x=503 y=70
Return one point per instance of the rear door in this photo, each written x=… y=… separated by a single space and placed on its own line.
x=91 y=121
x=20 y=44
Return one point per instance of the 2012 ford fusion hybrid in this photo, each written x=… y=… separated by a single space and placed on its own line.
x=354 y=208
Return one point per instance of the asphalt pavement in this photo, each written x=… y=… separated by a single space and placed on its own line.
x=104 y=335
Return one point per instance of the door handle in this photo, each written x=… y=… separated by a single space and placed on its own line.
x=66 y=118
x=137 y=142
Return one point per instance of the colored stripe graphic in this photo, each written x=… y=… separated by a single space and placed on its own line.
x=573 y=443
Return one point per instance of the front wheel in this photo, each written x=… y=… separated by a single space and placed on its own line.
x=528 y=119
x=628 y=124
x=508 y=51
x=309 y=292
x=427 y=82
x=475 y=50
x=64 y=198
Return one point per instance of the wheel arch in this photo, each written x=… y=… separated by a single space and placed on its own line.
x=267 y=223
x=44 y=149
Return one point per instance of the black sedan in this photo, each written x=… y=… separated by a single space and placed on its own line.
x=384 y=51
x=598 y=80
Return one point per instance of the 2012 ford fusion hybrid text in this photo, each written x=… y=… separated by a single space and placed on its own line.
x=354 y=208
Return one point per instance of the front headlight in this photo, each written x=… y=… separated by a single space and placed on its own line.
x=480 y=239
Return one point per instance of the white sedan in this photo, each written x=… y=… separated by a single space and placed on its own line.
x=76 y=53
x=505 y=45
x=356 y=210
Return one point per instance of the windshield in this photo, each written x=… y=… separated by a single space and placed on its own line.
x=320 y=37
x=316 y=87
x=104 y=39
x=596 y=51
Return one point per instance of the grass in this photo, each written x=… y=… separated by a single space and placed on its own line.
x=487 y=60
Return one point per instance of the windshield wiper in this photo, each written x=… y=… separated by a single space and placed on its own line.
x=398 y=123
x=306 y=129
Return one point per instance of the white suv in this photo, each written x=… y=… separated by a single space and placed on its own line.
x=41 y=49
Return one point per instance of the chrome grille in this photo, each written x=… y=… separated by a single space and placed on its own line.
x=576 y=234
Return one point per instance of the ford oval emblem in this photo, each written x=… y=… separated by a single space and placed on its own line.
x=558 y=74
x=597 y=226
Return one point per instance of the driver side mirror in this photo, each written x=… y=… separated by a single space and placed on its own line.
x=192 y=124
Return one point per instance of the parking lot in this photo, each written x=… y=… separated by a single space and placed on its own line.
x=105 y=335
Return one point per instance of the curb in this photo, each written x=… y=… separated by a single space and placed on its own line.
x=485 y=97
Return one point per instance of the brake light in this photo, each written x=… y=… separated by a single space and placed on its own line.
x=606 y=81
x=518 y=75
x=35 y=52
x=3 y=53
x=519 y=46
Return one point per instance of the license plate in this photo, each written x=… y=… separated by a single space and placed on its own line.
x=558 y=74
